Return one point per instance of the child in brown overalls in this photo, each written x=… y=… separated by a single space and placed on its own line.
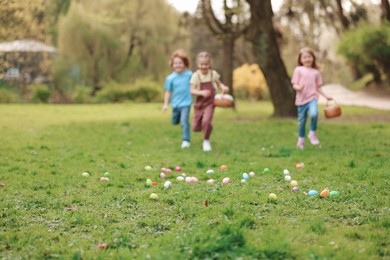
x=204 y=83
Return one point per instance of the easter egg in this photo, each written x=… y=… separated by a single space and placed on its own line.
x=295 y=189
x=106 y=174
x=210 y=171
x=252 y=174
x=211 y=181
x=223 y=167
x=245 y=176
x=334 y=193
x=188 y=179
x=163 y=175
x=243 y=181
x=148 y=182
x=324 y=193
x=167 y=184
x=294 y=183
x=299 y=165
x=154 y=183
x=286 y=172
x=85 y=174
x=266 y=170
x=178 y=168
x=167 y=170
x=180 y=178
x=148 y=167
x=272 y=196
x=154 y=196
x=194 y=179
x=226 y=180
x=104 y=179
x=287 y=178
x=312 y=193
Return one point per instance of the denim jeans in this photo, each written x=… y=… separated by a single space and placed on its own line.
x=312 y=108
x=181 y=115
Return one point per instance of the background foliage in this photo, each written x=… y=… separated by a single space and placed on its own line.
x=123 y=41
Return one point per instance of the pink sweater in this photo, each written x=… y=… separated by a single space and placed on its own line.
x=310 y=79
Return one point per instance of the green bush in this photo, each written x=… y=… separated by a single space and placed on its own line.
x=40 y=93
x=143 y=90
x=81 y=94
x=367 y=46
x=8 y=96
x=112 y=94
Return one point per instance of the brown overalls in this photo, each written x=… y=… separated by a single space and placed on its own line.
x=204 y=110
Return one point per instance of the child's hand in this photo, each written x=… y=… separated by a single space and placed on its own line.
x=205 y=93
x=224 y=89
x=164 y=108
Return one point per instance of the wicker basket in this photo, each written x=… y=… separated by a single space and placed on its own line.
x=223 y=100
x=333 y=110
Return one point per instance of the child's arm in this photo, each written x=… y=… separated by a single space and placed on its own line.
x=319 y=90
x=167 y=98
x=222 y=87
x=297 y=87
x=198 y=92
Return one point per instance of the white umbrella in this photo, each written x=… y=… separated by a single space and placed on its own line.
x=26 y=46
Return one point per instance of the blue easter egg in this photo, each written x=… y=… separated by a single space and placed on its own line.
x=313 y=193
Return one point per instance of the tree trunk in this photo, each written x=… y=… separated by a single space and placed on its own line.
x=227 y=70
x=340 y=12
x=262 y=35
x=375 y=73
x=386 y=10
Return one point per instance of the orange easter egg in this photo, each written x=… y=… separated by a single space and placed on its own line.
x=223 y=167
x=324 y=193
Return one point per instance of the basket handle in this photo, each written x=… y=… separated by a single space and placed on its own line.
x=334 y=101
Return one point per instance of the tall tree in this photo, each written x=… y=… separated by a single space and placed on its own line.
x=22 y=20
x=262 y=34
x=118 y=39
x=228 y=31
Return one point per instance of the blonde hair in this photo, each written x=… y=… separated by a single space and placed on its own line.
x=181 y=55
x=203 y=56
x=311 y=52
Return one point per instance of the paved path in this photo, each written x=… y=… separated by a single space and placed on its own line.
x=344 y=96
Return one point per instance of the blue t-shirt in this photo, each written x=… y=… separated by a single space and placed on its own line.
x=179 y=86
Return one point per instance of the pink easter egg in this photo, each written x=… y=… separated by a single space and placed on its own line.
x=178 y=168
x=162 y=175
x=226 y=180
x=104 y=179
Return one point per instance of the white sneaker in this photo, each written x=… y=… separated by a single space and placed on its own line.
x=206 y=145
x=185 y=144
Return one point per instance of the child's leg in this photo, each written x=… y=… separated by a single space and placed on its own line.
x=206 y=122
x=302 y=115
x=313 y=113
x=175 y=116
x=184 y=122
x=197 y=120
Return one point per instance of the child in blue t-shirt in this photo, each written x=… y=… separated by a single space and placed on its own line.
x=177 y=93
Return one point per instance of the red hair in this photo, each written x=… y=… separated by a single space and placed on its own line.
x=181 y=55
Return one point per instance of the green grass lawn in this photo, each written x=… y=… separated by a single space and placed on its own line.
x=49 y=210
